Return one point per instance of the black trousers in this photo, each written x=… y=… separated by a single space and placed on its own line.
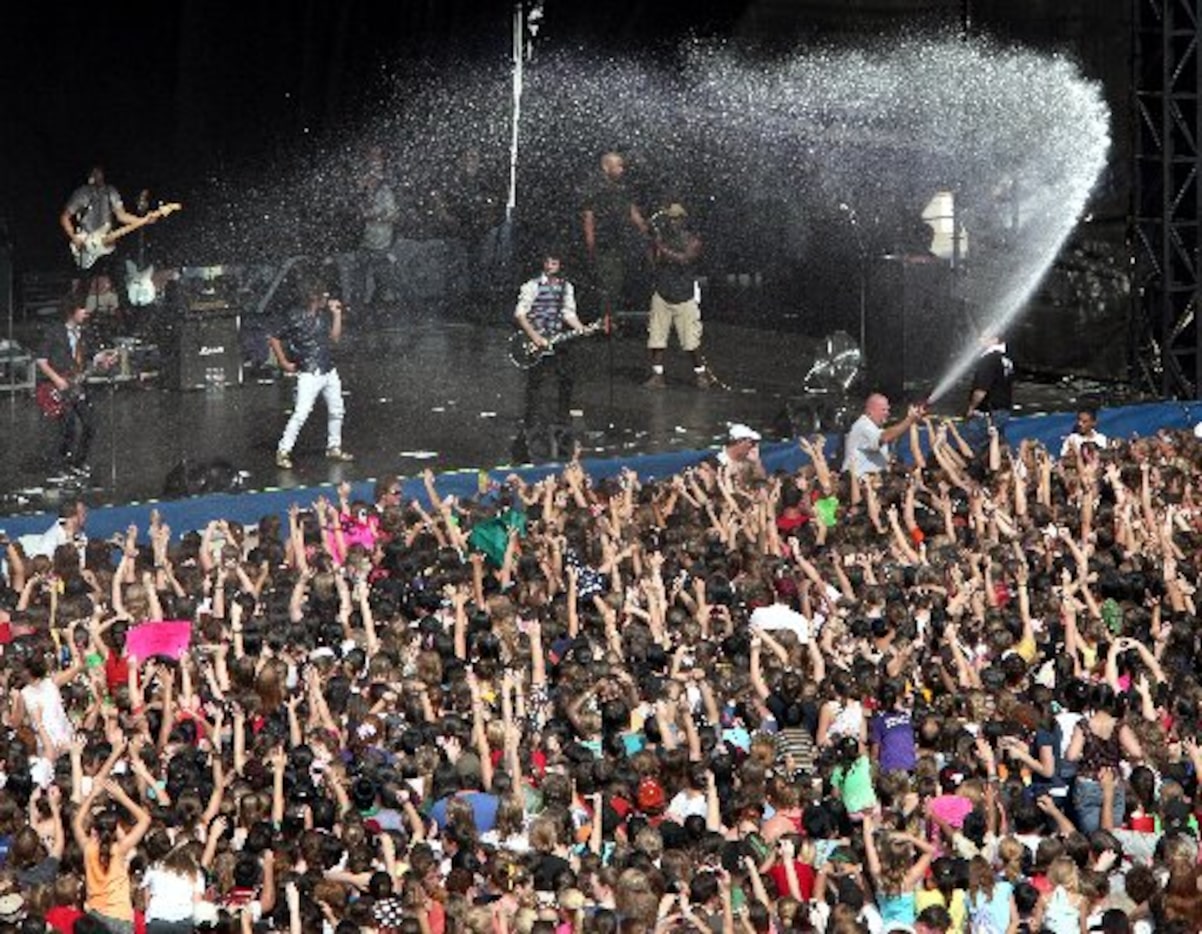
x=76 y=430
x=170 y=927
x=560 y=366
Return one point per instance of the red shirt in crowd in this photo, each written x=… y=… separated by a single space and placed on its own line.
x=805 y=879
x=63 y=917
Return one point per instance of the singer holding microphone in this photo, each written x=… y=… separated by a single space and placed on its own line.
x=674 y=302
x=303 y=344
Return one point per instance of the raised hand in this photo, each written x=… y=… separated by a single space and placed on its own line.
x=112 y=789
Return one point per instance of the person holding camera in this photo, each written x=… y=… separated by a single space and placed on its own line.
x=897 y=865
x=674 y=302
x=1101 y=742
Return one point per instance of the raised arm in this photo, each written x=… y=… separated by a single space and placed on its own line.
x=141 y=817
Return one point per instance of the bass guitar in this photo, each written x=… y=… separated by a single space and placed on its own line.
x=525 y=354
x=55 y=402
x=102 y=242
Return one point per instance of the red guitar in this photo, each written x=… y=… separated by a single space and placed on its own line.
x=55 y=402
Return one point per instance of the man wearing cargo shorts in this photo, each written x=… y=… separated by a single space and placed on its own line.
x=674 y=301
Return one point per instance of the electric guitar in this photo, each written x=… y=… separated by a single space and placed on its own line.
x=525 y=354
x=55 y=402
x=102 y=242
x=139 y=284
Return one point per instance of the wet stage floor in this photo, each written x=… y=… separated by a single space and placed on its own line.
x=424 y=393
x=430 y=393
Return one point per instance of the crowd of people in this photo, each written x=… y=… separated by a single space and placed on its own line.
x=957 y=695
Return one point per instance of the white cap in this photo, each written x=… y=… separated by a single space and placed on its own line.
x=1198 y=430
x=743 y=433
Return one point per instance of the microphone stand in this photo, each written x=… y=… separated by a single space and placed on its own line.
x=112 y=435
x=609 y=346
x=6 y=249
x=862 y=250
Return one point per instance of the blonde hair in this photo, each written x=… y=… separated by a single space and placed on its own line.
x=650 y=841
x=1064 y=871
x=897 y=856
x=524 y=920
x=1010 y=855
x=479 y=920
x=543 y=835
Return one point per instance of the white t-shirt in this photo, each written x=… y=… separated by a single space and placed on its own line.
x=47 y=543
x=43 y=698
x=686 y=805
x=847 y=721
x=778 y=616
x=1075 y=440
x=1068 y=721
x=171 y=896
x=863 y=448
x=518 y=843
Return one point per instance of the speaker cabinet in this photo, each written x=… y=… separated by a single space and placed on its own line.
x=912 y=321
x=208 y=350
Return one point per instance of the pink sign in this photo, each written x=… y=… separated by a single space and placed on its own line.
x=170 y=638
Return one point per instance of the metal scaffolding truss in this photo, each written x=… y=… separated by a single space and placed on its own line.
x=1168 y=118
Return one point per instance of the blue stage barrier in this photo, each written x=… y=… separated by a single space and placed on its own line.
x=248 y=507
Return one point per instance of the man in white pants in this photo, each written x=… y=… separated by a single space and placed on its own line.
x=308 y=332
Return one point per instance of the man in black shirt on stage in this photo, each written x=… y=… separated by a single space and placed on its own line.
x=992 y=394
x=674 y=303
x=609 y=217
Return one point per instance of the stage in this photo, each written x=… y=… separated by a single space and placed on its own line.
x=419 y=393
x=440 y=393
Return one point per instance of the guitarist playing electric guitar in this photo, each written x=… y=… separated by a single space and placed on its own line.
x=546 y=308
x=89 y=213
x=63 y=360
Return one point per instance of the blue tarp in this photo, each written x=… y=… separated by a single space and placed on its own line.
x=248 y=508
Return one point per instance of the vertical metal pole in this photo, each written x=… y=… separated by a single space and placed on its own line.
x=1168 y=150
x=519 y=26
x=9 y=298
x=1196 y=298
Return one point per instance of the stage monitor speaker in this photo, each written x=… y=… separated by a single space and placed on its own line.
x=910 y=326
x=193 y=478
x=208 y=350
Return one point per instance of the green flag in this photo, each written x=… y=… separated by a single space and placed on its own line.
x=825 y=509
x=491 y=536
